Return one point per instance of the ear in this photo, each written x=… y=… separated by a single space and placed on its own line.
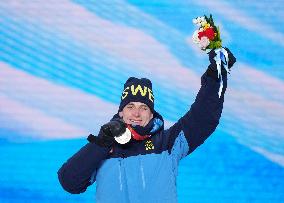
x=120 y=114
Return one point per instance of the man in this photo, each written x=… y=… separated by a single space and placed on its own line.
x=144 y=169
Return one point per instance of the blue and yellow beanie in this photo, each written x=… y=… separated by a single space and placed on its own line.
x=137 y=90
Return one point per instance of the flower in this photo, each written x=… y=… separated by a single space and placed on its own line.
x=208 y=33
x=206 y=26
x=202 y=18
x=207 y=36
x=195 y=37
x=204 y=42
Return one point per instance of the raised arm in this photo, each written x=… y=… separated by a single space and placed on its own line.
x=203 y=117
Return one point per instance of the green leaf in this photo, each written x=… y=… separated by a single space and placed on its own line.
x=214 y=45
x=218 y=33
x=206 y=18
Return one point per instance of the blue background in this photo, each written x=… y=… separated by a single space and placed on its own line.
x=62 y=69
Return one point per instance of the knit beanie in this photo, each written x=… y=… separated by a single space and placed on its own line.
x=137 y=90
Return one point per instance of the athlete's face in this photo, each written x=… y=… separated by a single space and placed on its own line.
x=136 y=113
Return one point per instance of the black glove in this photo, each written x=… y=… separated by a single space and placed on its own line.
x=107 y=133
x=212 y=68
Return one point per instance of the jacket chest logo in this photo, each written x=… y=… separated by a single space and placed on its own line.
x=149 y=145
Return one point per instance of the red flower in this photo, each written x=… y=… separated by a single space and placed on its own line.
x=209 y=32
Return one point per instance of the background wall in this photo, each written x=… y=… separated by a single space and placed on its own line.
x=63 y=65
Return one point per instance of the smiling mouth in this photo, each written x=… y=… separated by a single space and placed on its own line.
x=136 y=122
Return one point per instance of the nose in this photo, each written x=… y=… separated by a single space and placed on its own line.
x=136 y=112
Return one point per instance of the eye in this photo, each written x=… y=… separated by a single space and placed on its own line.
x=145 y=108
x=129 y=106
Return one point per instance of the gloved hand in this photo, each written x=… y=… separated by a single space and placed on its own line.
x=212 y=68
x=107 y=133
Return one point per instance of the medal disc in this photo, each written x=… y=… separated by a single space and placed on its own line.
x=124 y=138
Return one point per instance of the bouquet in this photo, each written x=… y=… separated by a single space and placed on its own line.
x=208 y=35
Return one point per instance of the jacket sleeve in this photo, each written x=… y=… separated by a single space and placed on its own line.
x=201 y=120
x=78 y=172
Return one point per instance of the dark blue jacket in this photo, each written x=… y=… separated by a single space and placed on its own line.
x=146 y=170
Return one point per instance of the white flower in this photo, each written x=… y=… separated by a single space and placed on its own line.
x=198 y=19
x=204 y=42
x=201 y=29
x=203 y=23
x=195 y=38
